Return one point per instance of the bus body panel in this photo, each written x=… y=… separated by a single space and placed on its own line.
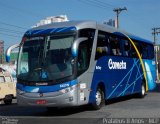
x=64 y=94
x=50 y=98
x=151 y=73
x=121 y=76
x=84 y=88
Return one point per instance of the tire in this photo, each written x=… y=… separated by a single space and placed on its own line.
x=8 y=100
x=143 y=91
x=99 y=99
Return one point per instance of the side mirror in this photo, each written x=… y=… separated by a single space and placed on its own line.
x=76 y=45
x=8 y=51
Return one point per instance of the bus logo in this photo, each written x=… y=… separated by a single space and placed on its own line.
x=116 y=65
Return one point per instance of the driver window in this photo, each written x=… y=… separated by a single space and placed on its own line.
x=84 y=55
x=85 y=49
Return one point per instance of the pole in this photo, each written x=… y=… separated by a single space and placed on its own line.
x=155 y=32
x=118 y=11
x=117 y=20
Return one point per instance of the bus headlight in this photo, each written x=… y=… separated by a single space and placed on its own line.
x=68 y=89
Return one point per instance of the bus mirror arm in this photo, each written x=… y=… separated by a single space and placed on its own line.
x=8 y=51
x=76 y=45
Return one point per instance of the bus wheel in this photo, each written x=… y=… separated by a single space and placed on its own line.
x=143 y=91
x=99 y=99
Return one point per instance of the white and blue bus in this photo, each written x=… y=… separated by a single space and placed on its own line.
x=81 y=62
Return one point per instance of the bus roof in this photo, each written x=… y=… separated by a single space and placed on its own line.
x=76 y=25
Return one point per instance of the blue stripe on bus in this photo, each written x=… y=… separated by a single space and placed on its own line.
x=134 y=37
x=50 y=31
x=45 y=89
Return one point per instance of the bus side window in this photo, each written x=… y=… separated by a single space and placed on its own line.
x=134 y=55
x=144 y=51
x=126 y=48
x=102 y=45
x=139 y=48
x=150 y=49
x=115 y=46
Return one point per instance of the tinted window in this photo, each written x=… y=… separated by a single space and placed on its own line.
x=126 y=46
x=85 y=50
x=102 y=45
x=89 y=33
x=145 y=54
x=84 y=55
x=150 y=51
x=110 y=44
x=115 y=46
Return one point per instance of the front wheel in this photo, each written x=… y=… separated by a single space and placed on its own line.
x=99 y=99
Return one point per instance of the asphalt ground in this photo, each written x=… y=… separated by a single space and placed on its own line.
x=130 y=109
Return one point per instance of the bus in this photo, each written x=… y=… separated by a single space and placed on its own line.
x=7 y=87
x=75 y=63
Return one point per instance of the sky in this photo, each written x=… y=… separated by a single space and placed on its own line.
x=17 y=16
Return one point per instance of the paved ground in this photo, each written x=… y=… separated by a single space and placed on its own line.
x=127 y=107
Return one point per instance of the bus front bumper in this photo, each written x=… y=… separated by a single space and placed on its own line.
x=53 y=99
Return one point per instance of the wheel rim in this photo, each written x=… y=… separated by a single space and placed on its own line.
x=143 y=90
x=98 y=98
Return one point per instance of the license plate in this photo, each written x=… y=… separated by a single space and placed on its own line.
x=41 y=102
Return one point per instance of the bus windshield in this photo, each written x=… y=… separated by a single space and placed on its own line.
x=45 y=58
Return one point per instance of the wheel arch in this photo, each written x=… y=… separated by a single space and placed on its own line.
x=102 y=86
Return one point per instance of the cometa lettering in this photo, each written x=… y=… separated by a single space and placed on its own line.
x=116 y=65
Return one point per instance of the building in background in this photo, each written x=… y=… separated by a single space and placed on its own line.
x=110 y=22
x=52 y=19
